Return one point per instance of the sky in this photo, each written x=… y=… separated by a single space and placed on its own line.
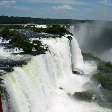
x=61 y=9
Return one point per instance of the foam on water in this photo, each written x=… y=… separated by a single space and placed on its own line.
x=5 y=54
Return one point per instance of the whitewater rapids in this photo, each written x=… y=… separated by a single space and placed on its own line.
x=44 y=83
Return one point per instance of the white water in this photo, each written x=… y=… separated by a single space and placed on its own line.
x=77 y=58
x=6 y=54
x=35 y=87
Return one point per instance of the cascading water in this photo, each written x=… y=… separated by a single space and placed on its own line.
x=44 y=83
x=77 y=58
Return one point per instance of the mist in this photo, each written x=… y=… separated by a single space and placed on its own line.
x=95 y=38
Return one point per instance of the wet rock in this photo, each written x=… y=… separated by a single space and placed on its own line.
x=61 y=88
x=84 y=95
x=1 y=81
x=70 y=38
x=7 y=65
x=78 y=72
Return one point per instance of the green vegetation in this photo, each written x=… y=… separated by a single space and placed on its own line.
x=53 y=29
x=21 y=41
x=90 y=57
x=39 y=30
x=101 y=82
x=7 y=33
x=25 y=20
x=108 y=64
x=57 y=29
x=104 y=71
x=39 y=47
x=3 y=93
x=84 y=95
x=104 y=80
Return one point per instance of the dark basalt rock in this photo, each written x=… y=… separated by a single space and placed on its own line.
x=84 y=95
x=7 y=65
x=1 y=81
x=69 y=37
x=78 y=72
x=61 y=88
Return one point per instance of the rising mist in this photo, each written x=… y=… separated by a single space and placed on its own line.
x=95 y=38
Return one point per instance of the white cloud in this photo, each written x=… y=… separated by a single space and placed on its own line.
x=52 y=1
x=105 y=2
x=7 y=3
x=13 y=5
x=62 y=7
x=75 y=2
x=22 y=8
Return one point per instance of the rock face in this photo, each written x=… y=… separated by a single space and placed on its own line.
x=61 y=88
x=7 y=65
x=70 y=38
x=84 y=95
x=77 y=71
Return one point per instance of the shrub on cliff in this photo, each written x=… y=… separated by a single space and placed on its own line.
x=104 y=71
x=39 y=47
x=108 y=64
x=57 y=29
x=84 y=95
x=22 y=41
x=104 y=80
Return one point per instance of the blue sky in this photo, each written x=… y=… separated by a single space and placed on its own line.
x=73 y=9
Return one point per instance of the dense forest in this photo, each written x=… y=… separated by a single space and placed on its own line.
x=26 y=20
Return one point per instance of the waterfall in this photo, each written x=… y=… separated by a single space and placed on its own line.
x=77 y=58
x=44 y=83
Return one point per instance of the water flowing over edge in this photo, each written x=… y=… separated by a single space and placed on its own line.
x=44 y=84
